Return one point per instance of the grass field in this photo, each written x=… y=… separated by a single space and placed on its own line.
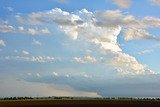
x=78 y=103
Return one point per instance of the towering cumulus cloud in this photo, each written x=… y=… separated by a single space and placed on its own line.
x=101 y=28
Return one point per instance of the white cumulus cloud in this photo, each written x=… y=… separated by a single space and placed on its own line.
x=127 y=64
x=5 y=28
x=36 y=32
x=39 y=59
x=86 y=59
x=100 y=28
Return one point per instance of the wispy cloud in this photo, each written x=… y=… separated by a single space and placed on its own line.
x=147 y=51
x=2 y=43
x=23 y=52
x=62 y=1
x=155 y=2
x=38 y=75
x=124 y=4
x=10 y=9
x=36 y=42
x=55 y=74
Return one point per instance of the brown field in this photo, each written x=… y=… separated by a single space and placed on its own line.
x=78 y=103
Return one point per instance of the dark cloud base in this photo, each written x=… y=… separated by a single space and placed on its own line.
x=131 y=86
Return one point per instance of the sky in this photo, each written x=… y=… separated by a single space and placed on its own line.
x=85 y=48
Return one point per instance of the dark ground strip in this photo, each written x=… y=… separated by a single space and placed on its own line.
x=78 y=103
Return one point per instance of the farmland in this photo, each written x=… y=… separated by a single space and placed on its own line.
x=79 y=103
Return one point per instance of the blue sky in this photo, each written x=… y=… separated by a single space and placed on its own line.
x=107 y=48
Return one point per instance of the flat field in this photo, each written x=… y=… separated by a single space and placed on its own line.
x=78 y=103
